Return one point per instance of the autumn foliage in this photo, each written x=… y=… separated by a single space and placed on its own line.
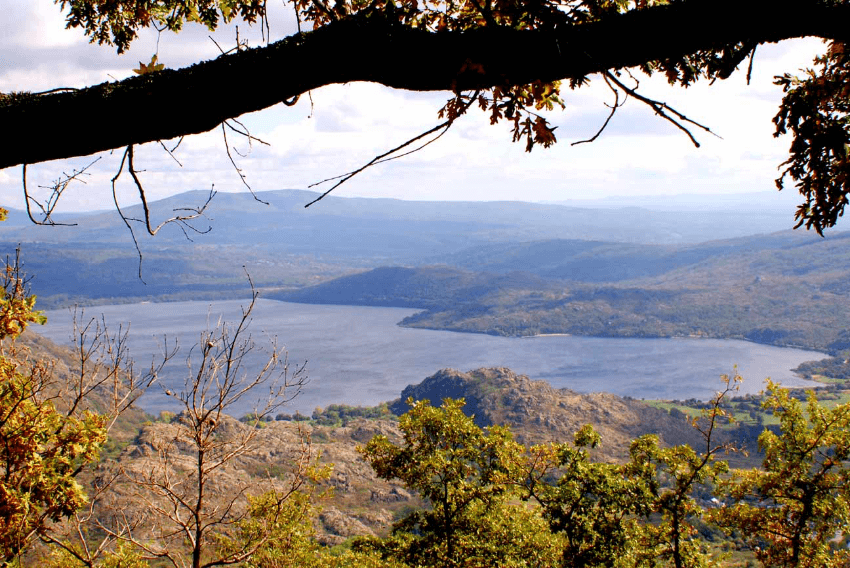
x=42 y=448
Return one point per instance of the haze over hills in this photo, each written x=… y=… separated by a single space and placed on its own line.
x=418 y=228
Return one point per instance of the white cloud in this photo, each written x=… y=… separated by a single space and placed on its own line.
x=34 y=23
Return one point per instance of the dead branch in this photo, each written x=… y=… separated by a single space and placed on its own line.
x=105 y=366
x=171 y=152
x=183 y=221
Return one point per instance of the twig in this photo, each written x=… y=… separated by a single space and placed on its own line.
x=750 y=66
x=216 y=44
x=240 y=45
x=444 y=126
x=297 y=17
x=182 y=221
x=244 y=132
x=121 y=213
x=265 y=29
x=131 y=168
x=170 y=153
x=660 y=108
x=617 y=104
x=58 y=187
x=377 y=160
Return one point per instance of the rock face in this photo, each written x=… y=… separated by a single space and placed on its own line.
x=538 y=412
x=359 y=502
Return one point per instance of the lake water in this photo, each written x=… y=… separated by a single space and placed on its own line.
x=359 y=356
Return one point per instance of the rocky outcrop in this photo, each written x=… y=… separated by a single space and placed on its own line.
x=357 y=502
x=361 y=504
x=538 y=412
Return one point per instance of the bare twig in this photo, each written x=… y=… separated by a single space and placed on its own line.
x=297 y=16
x=56 y=190
x=617 y=104
x=750 y=66
x=388 y=156
x=105 y=365
x=184 y=221
x=661 y=110
x=240 y=45
x=380 y=159
x=121 y=214
x=265 y=28
x=217 y=45
x=171 y=152
x=244 y=132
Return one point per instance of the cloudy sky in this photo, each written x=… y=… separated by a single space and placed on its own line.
x=347 y=125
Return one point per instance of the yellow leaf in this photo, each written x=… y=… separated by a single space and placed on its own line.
x=149 y=68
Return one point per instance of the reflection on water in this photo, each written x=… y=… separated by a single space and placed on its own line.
x=359 y=356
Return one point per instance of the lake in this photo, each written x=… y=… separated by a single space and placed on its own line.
x=359 y=356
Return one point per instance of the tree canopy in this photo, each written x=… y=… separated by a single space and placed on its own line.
x=491 y=498
x=510 y=58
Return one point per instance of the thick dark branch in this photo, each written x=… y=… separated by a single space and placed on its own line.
x=173 y=103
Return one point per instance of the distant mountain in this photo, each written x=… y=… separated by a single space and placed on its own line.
x=779 y=206
x=394 y=229
x=606 y=261
x=284 y=246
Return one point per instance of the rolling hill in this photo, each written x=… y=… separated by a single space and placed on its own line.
x=785 y=289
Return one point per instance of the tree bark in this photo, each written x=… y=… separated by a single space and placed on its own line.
x=196 y=99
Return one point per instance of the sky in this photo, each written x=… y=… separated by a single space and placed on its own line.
x=345 y=126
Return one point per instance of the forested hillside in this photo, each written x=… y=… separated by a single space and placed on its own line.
x=784 y=289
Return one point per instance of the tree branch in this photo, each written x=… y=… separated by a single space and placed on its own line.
x=310 y=60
